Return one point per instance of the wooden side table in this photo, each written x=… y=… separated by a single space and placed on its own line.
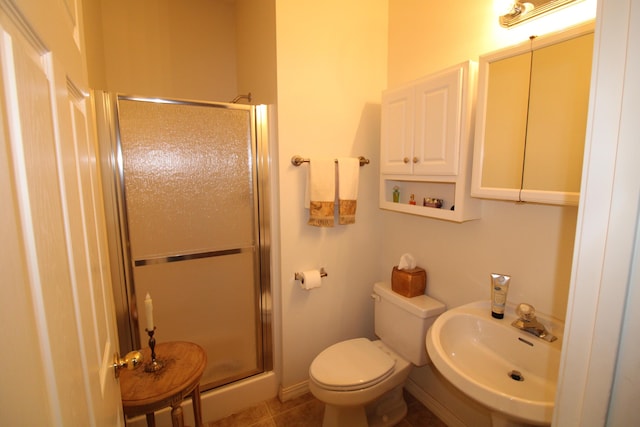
x=145 y=392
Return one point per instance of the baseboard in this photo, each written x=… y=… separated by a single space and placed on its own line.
x=289 y=393
x=433 y=405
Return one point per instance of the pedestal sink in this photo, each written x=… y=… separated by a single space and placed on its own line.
x=512 y=372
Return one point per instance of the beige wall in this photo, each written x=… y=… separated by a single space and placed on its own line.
x=532 y=243
x=328 y=65
x=208 y=50
x=331 y=68
x=333 y=59
x=256 y=49
x=427 y=35
x=164 y=48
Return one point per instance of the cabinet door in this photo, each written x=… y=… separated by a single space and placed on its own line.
x=506 y=124
x=557 y=119
x=438 y=113
x=396 y=153
x=531 y=121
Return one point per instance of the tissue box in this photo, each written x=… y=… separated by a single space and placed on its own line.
x=409 y=283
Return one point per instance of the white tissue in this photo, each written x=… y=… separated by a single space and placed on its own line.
x=407 y=262
x=310 y=279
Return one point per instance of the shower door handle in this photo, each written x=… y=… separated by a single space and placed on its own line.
x=131 y=360
x=187 y=257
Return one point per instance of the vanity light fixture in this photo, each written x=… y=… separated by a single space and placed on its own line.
x=522 y=10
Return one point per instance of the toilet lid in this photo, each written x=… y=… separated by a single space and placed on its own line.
x=351 y=365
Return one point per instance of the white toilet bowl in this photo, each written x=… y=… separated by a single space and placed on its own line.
x=360 y=381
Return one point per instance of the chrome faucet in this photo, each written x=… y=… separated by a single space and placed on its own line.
x=527 y=322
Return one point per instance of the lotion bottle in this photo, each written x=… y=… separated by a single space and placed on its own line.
x=499 y=289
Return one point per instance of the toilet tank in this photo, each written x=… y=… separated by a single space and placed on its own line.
x=402 y=323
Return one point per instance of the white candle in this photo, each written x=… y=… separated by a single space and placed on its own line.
x=148 y=308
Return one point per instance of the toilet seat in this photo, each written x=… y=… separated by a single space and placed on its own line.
x=351 y=365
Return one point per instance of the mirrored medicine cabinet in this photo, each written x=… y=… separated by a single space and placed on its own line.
x=531 y=119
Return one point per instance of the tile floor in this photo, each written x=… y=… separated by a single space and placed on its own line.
x=306 y=411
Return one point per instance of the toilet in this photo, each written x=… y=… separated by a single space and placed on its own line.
x=360 y=381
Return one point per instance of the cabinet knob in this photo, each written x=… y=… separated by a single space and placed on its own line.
x=415 y=160
x=406 y=160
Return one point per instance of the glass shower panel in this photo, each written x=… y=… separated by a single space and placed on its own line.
x=221 y=318
x=188 y=177
x=191 y=214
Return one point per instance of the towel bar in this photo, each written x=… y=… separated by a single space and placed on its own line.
x=298 y=160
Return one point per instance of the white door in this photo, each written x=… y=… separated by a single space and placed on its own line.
x=58 y=330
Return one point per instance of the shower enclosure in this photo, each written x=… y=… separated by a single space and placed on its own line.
x=186 y=198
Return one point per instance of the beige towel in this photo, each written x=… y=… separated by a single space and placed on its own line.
x=322 y=192
x=348 y=177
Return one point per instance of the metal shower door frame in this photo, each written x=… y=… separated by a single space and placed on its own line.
x=116 y=214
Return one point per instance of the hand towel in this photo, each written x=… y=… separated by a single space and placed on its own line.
x=322 y=192
x=348 y=177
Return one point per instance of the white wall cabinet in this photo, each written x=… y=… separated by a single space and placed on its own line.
x=531 y=121
x=426 y=142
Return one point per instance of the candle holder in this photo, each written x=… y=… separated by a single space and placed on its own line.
x=154 y=365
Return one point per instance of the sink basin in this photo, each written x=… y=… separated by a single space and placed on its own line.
x=512 y=372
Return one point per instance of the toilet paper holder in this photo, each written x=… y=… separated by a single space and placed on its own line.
x=323 y=273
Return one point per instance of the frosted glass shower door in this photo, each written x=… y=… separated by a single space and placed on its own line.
x=189 y=179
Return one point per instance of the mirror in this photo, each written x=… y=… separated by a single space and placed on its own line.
x=557 y=115
x=506 y=105
x=531 y=119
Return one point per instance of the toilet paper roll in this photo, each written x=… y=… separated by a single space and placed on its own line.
x=310 y=279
